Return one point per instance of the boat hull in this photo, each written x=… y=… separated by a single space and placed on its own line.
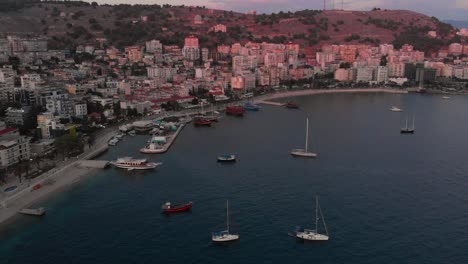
x=235 y=110
x=406 y=131
x=225 y=238
x=311 y=236
x=226 y=160
x=151 y=151
x=178 y=209
x=303 y=153
x=148 y=166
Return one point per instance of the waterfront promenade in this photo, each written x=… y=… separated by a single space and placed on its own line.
x=66 y=174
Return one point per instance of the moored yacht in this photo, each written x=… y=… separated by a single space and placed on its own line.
x=135 y=164
x=225 y=235
x=304 y=152
x=314 y=235
x=395 y=109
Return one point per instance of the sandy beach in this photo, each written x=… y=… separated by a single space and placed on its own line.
x=52 y=181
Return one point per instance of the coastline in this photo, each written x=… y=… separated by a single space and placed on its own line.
x=70 y=174
x=52 y=182
x=297 y=93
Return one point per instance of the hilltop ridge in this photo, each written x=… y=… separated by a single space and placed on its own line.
x=68 y=24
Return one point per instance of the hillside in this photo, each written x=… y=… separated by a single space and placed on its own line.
x=72 y=23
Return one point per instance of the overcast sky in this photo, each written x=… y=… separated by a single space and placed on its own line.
x=443 y=9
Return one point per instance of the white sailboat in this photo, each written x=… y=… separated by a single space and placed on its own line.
x=406 y=129
x=224 y=236
x=304 y=152
x=314 y=235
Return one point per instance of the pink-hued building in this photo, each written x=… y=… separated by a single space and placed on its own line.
x=238 y=83
x=191 y=42
x=134 y=53
x=455 y=49
x=219 y=28
x=342 y=75
x=292 y=46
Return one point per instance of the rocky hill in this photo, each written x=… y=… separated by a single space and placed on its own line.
x=73 y=23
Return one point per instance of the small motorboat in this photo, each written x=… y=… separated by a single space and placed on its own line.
x=251 y=106
x=168 y=208
x=291 y=105
x=395 y=109
x=202 y=122
x=445 y=97
x=227 y=158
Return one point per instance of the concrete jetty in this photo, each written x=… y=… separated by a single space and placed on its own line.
x=270 y=103
x=170 y=141
x=94 y=164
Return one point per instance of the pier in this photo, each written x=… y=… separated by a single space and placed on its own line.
x=172 y=139
x=270 y=103
x=94 y=164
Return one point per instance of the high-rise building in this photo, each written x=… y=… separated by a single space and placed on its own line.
x=153 y=46
x=13 y=147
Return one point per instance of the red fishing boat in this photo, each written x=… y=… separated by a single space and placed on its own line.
x=291 y=105
x=169 y=208
x=235 y=110
x=202 y=122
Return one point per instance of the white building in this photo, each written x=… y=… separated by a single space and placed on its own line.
x=81 y=109
x=29 y=81
x=13 y=147
x=153 y=46
x=381 y=74
x=364 y=74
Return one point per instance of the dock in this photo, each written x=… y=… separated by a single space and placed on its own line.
x=270 y=103
x=94 y=164
x=171 y=140
x=35 y=212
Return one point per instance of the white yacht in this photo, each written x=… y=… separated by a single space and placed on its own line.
x=135 y=164
x=304 y=152
x=225 y=235
x=395 y=109
x=314 y=235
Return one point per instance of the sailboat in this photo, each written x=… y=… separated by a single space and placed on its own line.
x=314 y=235
x=406 y=129
x=224 y=236
x=304 y=152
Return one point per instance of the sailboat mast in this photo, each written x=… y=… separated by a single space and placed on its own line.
x=406 y=124
x=413 y=122
x=307 y=135
x=227 y=215
x=316 y=214
x=323 y=220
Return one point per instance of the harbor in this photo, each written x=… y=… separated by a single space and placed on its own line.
x=270 y=192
